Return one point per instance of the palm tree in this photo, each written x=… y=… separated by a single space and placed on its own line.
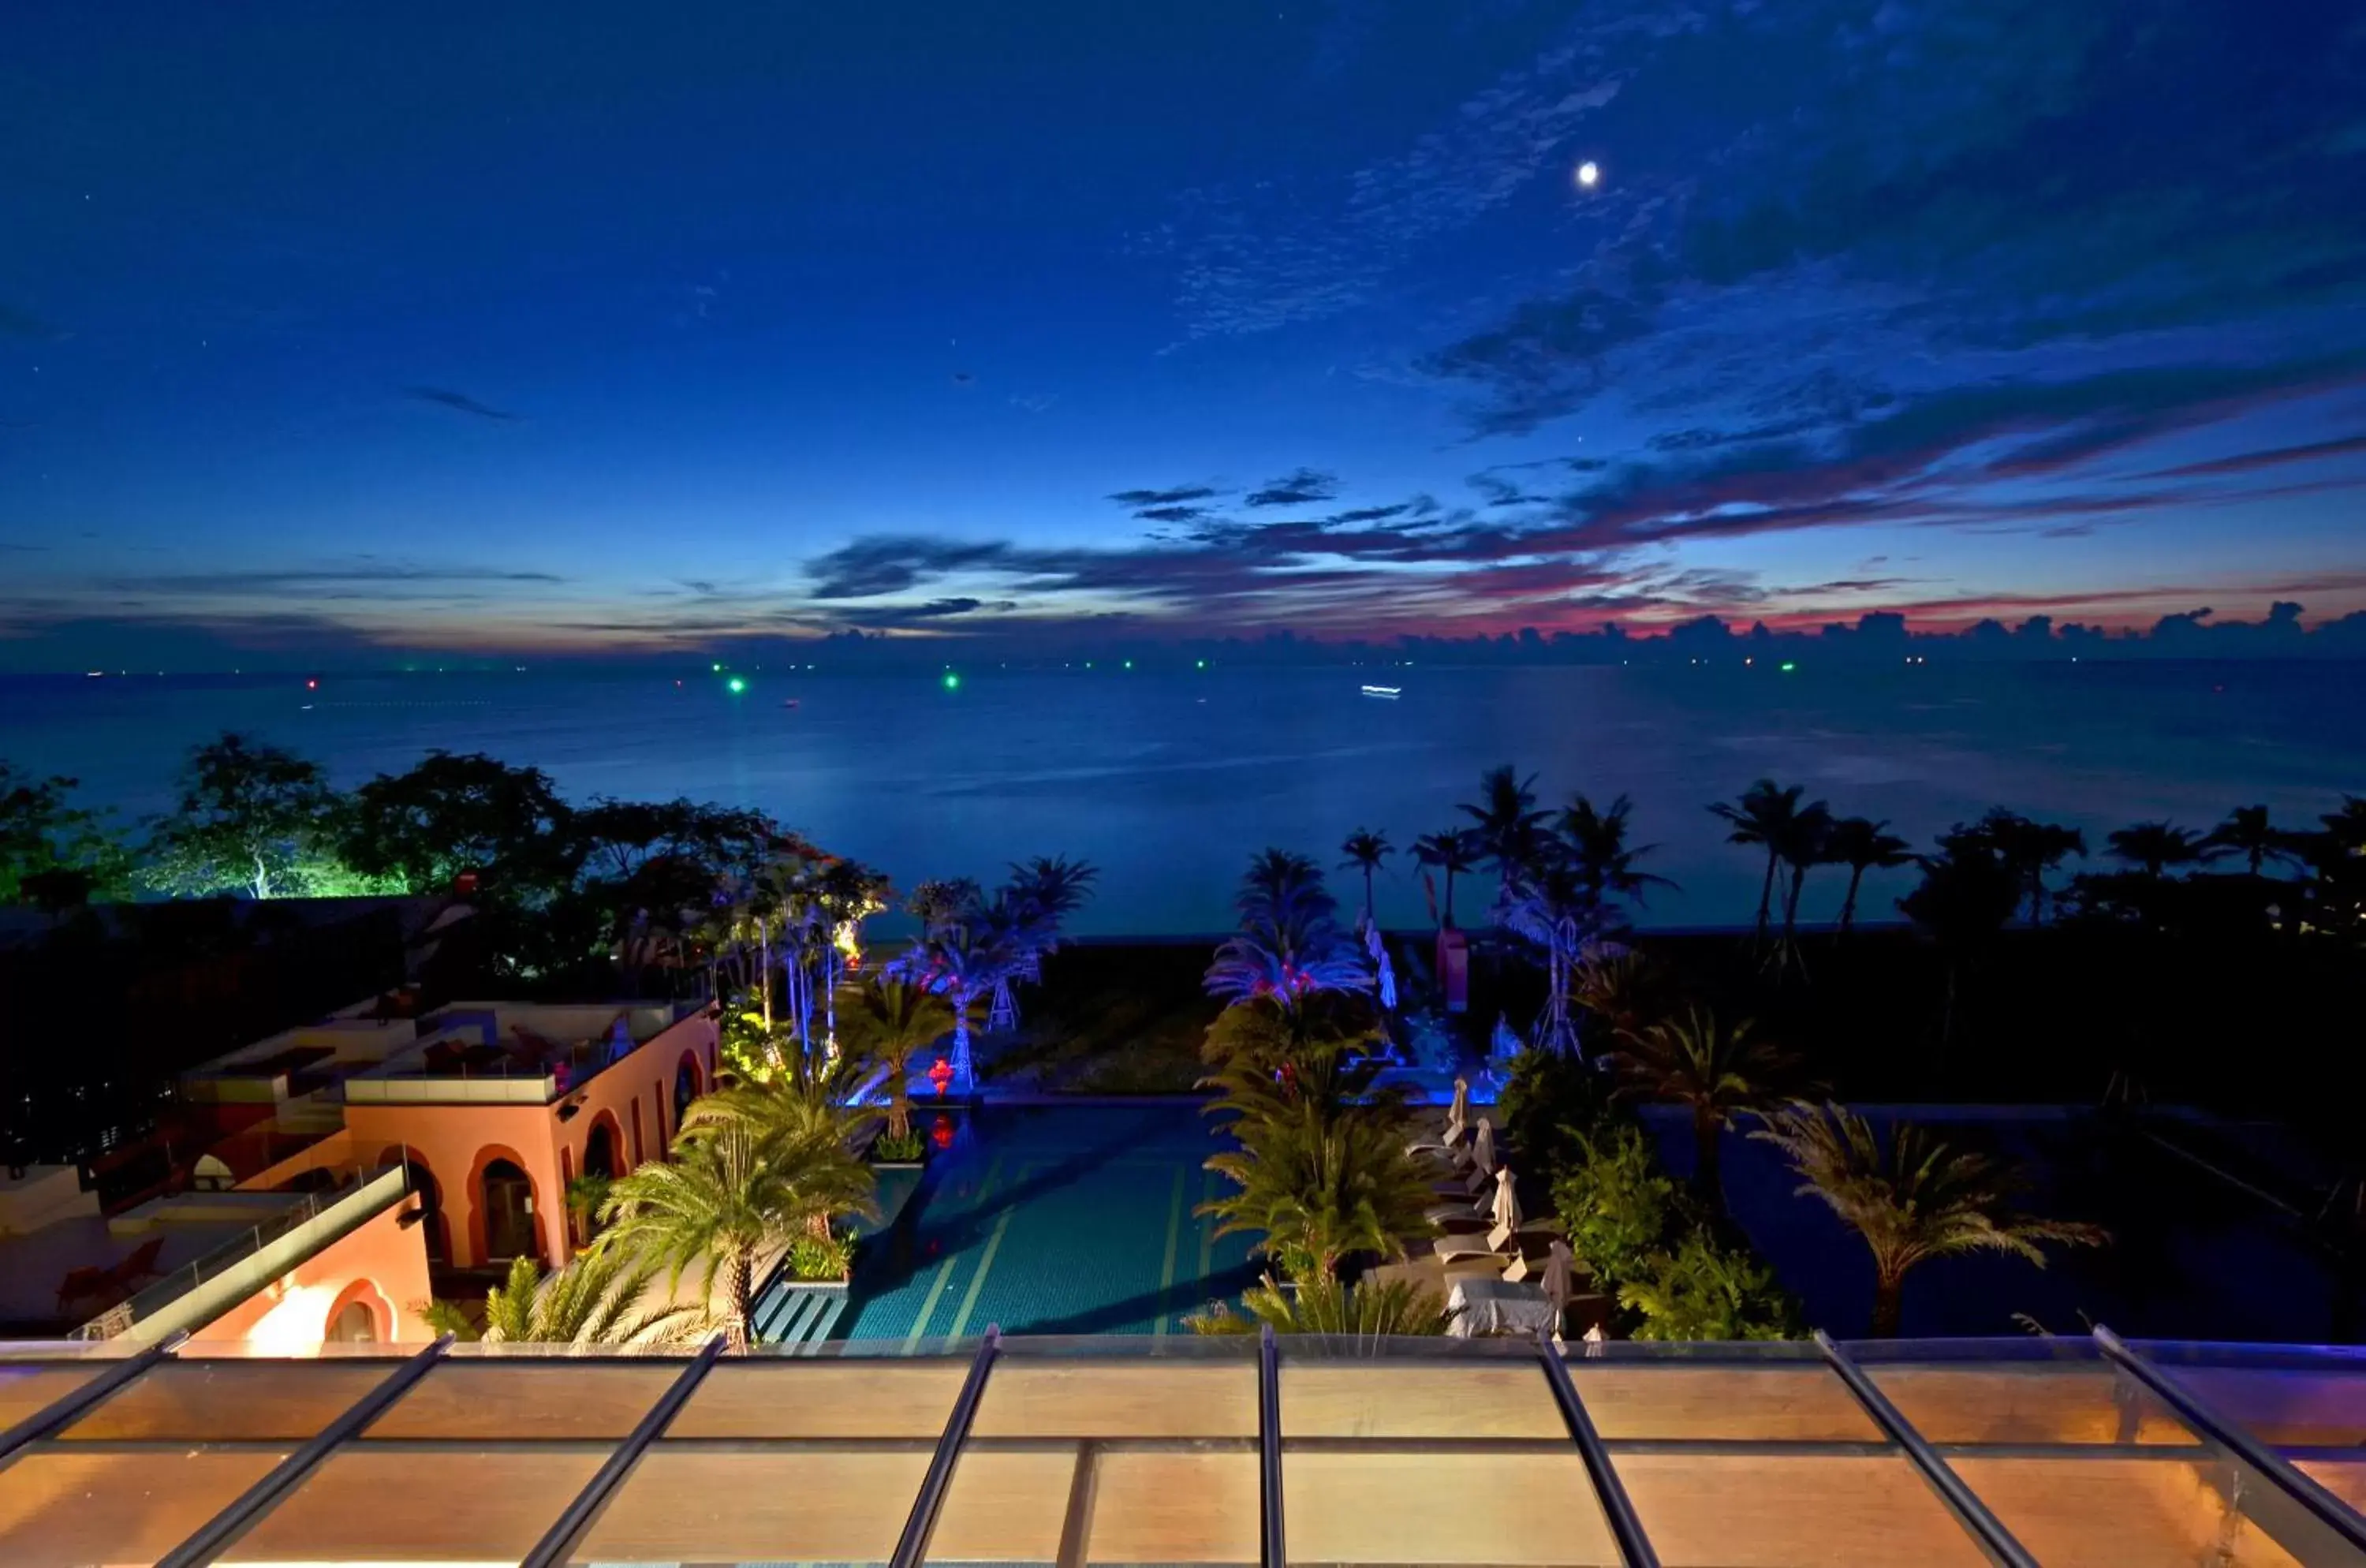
x=1288 y=947
x=1509 y=827
x=1802 y=843
x=1370 y=1310
x=850 y=893
x=2029 y=849
x=598 y=1299
x=1715 y=1071
x=1912 y=1199
x=960 y=954
x=2155 y=846
x=1366 y=850
x=1453 y=851
x=1762 y=816
x=887 y=1022
x=1598 y=848
x=2247 y=832
x=1320 y=1182
x=1862 y=845
x=739 y=1189
x=1966 y=895
x=1551 y=903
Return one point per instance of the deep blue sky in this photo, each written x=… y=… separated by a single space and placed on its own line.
x=334 y=331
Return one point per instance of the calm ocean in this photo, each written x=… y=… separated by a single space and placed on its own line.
x=1168 y=781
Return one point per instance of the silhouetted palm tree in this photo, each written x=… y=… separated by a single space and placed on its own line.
x=1453 y=851
x=1760 y=817
x=1913 y=1201
x=2247 y=832
x=2029 y=850
x=1365 y=851
x=1801 y=844
x=1509 y=827
x=1862 y=845
x=1598 y=850
x=2155 y=846
x=1289 y=947
x=1966 y=895
x=1713 y=1070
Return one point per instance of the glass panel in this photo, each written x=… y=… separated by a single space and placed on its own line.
x=2345 y=1478
x=2159 y=1509
x=1097 y=1459
x=2036 y=1402
x=1463 y=1400
x=792 y=1504
x=822 y=1399
x=1148 y=1398
x=1393 y=1461
x=1777 y=1510
x=1446 y=1502
x=232 y=1400
x=382 y=1503
x=62 y=1506
x=1776 y=1403
x=2293 y=1407
x=28 y=1388
x=558 y=1398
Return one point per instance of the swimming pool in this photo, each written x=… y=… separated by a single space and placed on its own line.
x=1053 y=1220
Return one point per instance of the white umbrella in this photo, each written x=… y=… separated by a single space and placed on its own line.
x=1482 y=1148
x=1507 y=1202
x=1557 y=1284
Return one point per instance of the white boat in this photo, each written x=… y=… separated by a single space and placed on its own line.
x=1383 y=691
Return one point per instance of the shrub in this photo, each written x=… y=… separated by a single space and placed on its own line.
x=899 y=1151
x=1706 y=1289
x=1550 y=1103
x=1617 y=1206
x=814 y=1258
x=1326 y=1306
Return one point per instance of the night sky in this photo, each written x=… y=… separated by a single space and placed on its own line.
x=335 y=331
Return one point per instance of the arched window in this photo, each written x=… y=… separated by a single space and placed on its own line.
x=353 y=1324
x=508 y=1205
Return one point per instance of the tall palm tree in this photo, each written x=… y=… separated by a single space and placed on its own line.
x=598 y=1299
x=960 y=954
x=2154 y=847
x=1913 y=1198
x=850 y=893
x=1966 y=895
x=1288 y=948
x=887 y=1022
x=1453 y=850
x=2247 y=832
x=1862 y=845
x=1551 y=904
x=1366 y=850
x=1803 y=843
x=1510 y=829
x=1604 y=861
x=2029 y=850
x=1714 y=1070
x=1762 y=816
x=739 y=1189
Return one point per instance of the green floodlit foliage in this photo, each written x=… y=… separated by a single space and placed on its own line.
x=600 y=1298
x=1326 y=1306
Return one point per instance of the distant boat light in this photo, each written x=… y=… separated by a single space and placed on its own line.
x=1789 y=666
x=953 y=681
x=1589 y=175
x=1382 y=691
x=736 y=686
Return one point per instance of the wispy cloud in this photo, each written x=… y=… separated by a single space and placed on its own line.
x=458 y=402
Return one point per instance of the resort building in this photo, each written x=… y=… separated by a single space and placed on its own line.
x=344 y=1162
x=1220 y=1451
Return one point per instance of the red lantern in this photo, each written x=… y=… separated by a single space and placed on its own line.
x=941 y=1073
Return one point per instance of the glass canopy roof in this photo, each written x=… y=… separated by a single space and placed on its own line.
x=1185 y=1451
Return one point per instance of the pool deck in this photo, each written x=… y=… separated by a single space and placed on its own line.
x=1054 y=1220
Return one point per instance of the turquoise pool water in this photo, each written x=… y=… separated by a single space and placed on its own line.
x=1058 y=1220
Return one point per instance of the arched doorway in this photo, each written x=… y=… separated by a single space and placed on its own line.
x=431 y=1204
x=685 y=1086
x=600 y=1150
x=353 y=1323
x=507 y=1203
x=602 y=1155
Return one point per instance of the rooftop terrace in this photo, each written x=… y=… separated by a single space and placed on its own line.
x=1198 y=1450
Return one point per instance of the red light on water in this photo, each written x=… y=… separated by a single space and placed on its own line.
x=942 y=1134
